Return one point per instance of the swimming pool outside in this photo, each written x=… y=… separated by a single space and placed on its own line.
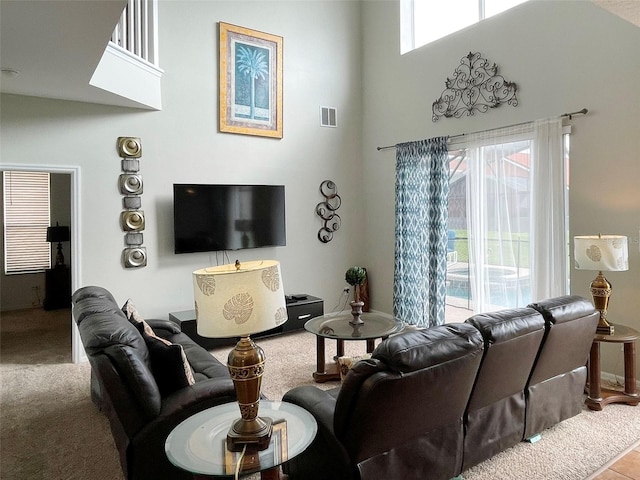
x=507 y=287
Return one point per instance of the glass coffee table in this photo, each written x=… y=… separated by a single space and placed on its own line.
x=198 y=444
x=336 y=326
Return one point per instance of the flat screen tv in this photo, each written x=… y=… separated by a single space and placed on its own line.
x=209 y=218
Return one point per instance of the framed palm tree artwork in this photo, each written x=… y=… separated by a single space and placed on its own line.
x=250 y=82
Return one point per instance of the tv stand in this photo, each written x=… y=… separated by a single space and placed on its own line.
x=298 y=311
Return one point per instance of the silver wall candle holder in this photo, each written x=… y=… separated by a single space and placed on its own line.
x=132 y=219
x=327 y=211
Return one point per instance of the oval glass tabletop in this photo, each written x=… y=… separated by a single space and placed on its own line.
x=198 y=444
x=336 y=325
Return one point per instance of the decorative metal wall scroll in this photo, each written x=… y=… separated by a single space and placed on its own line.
x=132 y=217
x=327 y=211
x=474 y=87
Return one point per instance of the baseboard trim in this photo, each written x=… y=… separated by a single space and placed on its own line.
x=614 y=379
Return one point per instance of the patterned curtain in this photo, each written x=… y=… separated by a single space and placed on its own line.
x=422 y=191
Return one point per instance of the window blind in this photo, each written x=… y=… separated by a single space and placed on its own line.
x=26 y=218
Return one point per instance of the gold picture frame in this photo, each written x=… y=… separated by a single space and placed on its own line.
x=250 y=82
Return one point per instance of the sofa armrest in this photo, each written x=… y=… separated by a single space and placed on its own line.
x=317 y=402
x=156 y=323
x=326 y=456
x=190 y=398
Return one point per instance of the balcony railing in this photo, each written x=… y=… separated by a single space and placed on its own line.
x=137 y=30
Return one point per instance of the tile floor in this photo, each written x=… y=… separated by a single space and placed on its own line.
x=626 y=467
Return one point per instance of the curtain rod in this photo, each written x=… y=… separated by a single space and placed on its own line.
x=570 y=115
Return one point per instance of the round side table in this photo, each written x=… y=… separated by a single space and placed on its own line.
x=599 y=397
x=197 y=445
x=336 y=326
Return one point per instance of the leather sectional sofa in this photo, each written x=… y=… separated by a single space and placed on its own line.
x=142 y=408
x=432 y=403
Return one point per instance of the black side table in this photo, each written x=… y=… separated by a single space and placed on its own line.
x=57 y=288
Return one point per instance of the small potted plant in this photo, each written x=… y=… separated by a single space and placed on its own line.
x=355 y=276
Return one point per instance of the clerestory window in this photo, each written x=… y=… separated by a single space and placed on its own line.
x=423 y=21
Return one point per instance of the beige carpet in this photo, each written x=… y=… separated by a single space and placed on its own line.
x=51 y=430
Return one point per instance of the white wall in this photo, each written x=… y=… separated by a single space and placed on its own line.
x=563 y=55
x=181 y=144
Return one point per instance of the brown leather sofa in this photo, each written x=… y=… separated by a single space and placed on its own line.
x=432 y=403
x=142 y=414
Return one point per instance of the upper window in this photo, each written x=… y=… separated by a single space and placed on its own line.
x=26 y=218
x=423 y=21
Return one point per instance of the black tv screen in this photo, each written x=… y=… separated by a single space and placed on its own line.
x=210 y=218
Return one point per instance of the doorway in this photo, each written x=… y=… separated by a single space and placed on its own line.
x=77 y=351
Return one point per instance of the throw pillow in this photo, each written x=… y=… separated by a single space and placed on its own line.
x=129 y=309
x=147 y=333
x=166 y=364
x=345 y=363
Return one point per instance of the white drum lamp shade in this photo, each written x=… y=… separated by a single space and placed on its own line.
x=608 y=253
x=237 y=301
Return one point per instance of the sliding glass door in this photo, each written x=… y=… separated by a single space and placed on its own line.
x=496 y=225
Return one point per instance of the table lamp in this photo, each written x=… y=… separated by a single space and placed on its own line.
x=602 y=253
x=237 y=301
x=58 y=234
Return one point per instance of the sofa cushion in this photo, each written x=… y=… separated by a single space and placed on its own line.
x=511 y=337
x=137 y=376
x=564 y=309
x=91 y=300
x=419 y=349
x=204 y=364
x=100 y=329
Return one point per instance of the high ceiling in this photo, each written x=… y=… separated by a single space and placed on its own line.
x=627 y=9
x=54 y=46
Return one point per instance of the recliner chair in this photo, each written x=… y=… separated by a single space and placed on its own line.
x=495 y=416
x=398 y=414
x=556 y=386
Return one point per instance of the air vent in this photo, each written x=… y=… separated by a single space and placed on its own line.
x=328 y=117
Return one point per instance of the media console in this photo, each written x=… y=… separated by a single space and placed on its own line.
x=299 y=311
